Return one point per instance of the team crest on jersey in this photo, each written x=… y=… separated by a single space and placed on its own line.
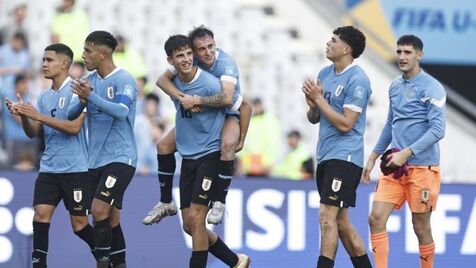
x=78 y=195
x=425 y=195
x=339 y=89
x=61 y=102
x=110 y=93
x=110 y=181
x=336 y=184
x=206 y=183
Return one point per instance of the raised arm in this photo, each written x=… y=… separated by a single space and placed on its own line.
x=75 y=108
x=164 y=82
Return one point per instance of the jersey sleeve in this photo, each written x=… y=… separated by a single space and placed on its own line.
x=126 y=91
x=386 y=135
x=357 y=95
x=434 y=99
x=230 y=72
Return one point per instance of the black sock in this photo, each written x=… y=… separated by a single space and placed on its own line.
x=361 y=261
x=40 y=243
x=223 y=253
x=166 y=176
x=324 y=262
x=102 y=239
x=87 y=235
x=118 y=246
x=199 y=259
x=225 y=173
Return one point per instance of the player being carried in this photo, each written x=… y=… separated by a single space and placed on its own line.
x=238 y=114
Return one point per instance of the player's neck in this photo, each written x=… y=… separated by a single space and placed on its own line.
x=412 y=73
x=187 y=77
x=58 y=81
x=106 y=68
x=342 y=63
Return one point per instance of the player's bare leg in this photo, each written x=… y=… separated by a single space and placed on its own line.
x=422 y=228
x=353 y=243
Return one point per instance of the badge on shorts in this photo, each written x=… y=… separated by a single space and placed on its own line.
x=206 y=184
x=77 y=195
x=425 y=195
x=61 y=102
x=336 y=183
x=110 y=181
x=339 y=90
x=110 y=93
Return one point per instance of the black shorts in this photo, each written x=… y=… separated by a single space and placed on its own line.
x=111 y=182
x=197 y=180
x=73 y=188
x=337 y=182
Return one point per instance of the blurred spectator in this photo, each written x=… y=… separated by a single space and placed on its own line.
x=129 y=58
x=15 y=24
x=77 y=70
x=307 y=169
x=148 y=130
x=70 y=26
x=262 y=144
x=290 y=167
x=17 y=143
x=14 y=59
x=143 y=89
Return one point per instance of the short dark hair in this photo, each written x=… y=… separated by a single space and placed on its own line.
x=20 y=78
x=102 y=38
x=353 y=37
x=175 y=42
x=412 y=40
x=200 y=31
x=153 y=97
x=294 y=133
x=60 y=48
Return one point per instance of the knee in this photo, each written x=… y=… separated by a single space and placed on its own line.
x=342 y=226
x=326 y=221
x=376 y=221
x=78 y=223
x=228 y=146
x=186 y=228
x=41 y=216
x=421 y=228
x=165 y=147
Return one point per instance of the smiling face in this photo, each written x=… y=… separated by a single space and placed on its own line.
x=182 y=60
x=408 y=59
x=204 y=49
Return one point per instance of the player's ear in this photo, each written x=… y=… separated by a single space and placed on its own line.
x=169 y=60
x=419 y=55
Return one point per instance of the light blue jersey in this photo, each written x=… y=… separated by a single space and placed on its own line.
x=416 y=118
x=63 y=153
x=225 y=69
x=198 y=134
x=111 y=112
x=349 y=89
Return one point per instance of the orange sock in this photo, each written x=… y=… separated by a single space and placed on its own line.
x=380 y=249
x=427 y=255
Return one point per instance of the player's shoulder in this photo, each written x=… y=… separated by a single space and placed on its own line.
x=357 y=74
x=224 y=59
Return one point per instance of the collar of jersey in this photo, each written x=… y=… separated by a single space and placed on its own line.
x=345 y=70
x=65 y=82
x=413 y=79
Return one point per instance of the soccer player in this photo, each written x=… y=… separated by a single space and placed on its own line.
x=415 y=124
x=338 y=100
x=221 y=65
x=64 y=167
x=109 y=93
x=198 y=142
